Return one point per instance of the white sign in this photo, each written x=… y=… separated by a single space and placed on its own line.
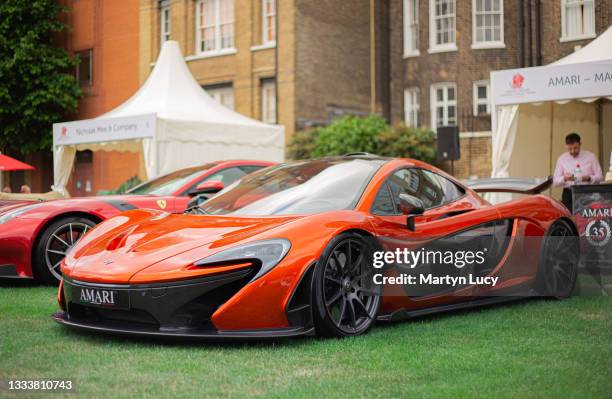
x=104 y=130
x=552 y=83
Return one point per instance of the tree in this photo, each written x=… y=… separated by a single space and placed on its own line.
x=349 y=134
x=37 y=86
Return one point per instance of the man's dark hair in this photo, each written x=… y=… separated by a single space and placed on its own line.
x=572 y=138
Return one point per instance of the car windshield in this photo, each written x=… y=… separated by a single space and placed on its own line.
x=170 y=183
x=305 y=187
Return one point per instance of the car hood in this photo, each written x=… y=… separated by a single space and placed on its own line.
x=133 y=241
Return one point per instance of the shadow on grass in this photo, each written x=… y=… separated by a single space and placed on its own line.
x=102 y=338
x=20 y=282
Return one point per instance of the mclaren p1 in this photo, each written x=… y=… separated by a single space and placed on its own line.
x=289 y=251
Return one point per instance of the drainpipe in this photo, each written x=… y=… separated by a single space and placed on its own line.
x=372 y=56
x=538 y=32
x=529 y=34
x=522 y=30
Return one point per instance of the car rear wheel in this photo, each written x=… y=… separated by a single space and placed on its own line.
x=53 y=244
x=558 y=269
x=345 y=297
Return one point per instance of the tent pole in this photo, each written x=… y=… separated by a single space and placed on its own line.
x=550 y=155
x=602 y=160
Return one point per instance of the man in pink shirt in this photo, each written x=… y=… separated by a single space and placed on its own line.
x=576 y=166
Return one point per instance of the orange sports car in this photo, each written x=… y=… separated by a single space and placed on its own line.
x=292 y=250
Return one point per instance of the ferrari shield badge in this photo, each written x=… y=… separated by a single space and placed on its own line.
x=162 y=204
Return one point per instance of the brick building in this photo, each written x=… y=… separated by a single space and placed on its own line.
x=105 y=35
x=440 y=75
x=294 y=62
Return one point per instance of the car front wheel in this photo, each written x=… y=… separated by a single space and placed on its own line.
x=53 y=244
x=346 y=299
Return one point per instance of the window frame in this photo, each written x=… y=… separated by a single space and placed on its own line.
x=491 y=44
x=164 y=11
x=264 y=23
x=564 y=36
x=268 y=83
x=410 y=52
x=478 y=101
x=433 y=102
x=89 y=82
x=217 y=29
x=216 y=89
x=412 y=92
x=446 y=47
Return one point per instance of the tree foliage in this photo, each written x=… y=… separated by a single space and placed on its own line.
x=405 y=142
x=349 y=134
x=37 y=86
x=371 y=134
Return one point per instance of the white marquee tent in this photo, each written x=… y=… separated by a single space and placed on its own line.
x=173 y=122
x=535 y=108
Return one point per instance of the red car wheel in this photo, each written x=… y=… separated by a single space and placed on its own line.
x=53 y=244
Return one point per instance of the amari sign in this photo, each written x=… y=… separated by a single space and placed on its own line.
x=104 y=130
x=548 y=83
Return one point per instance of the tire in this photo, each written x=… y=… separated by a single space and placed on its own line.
x=345 y=300
x=52 y=244
x=558 y=268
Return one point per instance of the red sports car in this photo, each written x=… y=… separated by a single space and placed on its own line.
x=292 y=250
x=34 y=237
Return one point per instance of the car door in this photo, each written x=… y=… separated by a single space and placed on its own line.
x=448 y=214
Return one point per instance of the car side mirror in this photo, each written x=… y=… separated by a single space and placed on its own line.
x=207 y=187
x=410 y=206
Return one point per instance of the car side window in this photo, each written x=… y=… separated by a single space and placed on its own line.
x=431 y=188
x=440 y=188
x=248 y=169
x=227 y=176
x=383 y=203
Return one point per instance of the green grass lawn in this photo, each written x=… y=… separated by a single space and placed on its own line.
x=530 y=349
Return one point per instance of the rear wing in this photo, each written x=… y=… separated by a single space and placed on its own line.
x=510 y=185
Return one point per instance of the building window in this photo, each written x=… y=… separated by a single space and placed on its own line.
x=412 y=105
x=482 y=104
x=165 y=22
x=214 y=26
x=268 y=22
x=84 y=70
x=268 y=101
x=411 y=28
x=443 y=105
x=577 y=19
x=442 y=20
x=488 y=23
x=223 y=94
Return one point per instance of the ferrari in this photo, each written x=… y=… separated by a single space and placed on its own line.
x=289 y=251
x=35 y=236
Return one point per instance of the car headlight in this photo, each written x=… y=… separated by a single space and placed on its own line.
x=268 y=252
x=10 y=215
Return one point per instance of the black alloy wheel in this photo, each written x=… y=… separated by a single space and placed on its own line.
x=347 y=299
x=559 y=263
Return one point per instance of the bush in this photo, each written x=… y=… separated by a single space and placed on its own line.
x=371 y=134
x=405 y=142
x=349 y=134
x=302 y=144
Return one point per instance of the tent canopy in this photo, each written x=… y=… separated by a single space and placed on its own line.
x=172 y=121
x=521 y=117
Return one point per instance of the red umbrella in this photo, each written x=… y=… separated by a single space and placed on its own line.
x=8 y=163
